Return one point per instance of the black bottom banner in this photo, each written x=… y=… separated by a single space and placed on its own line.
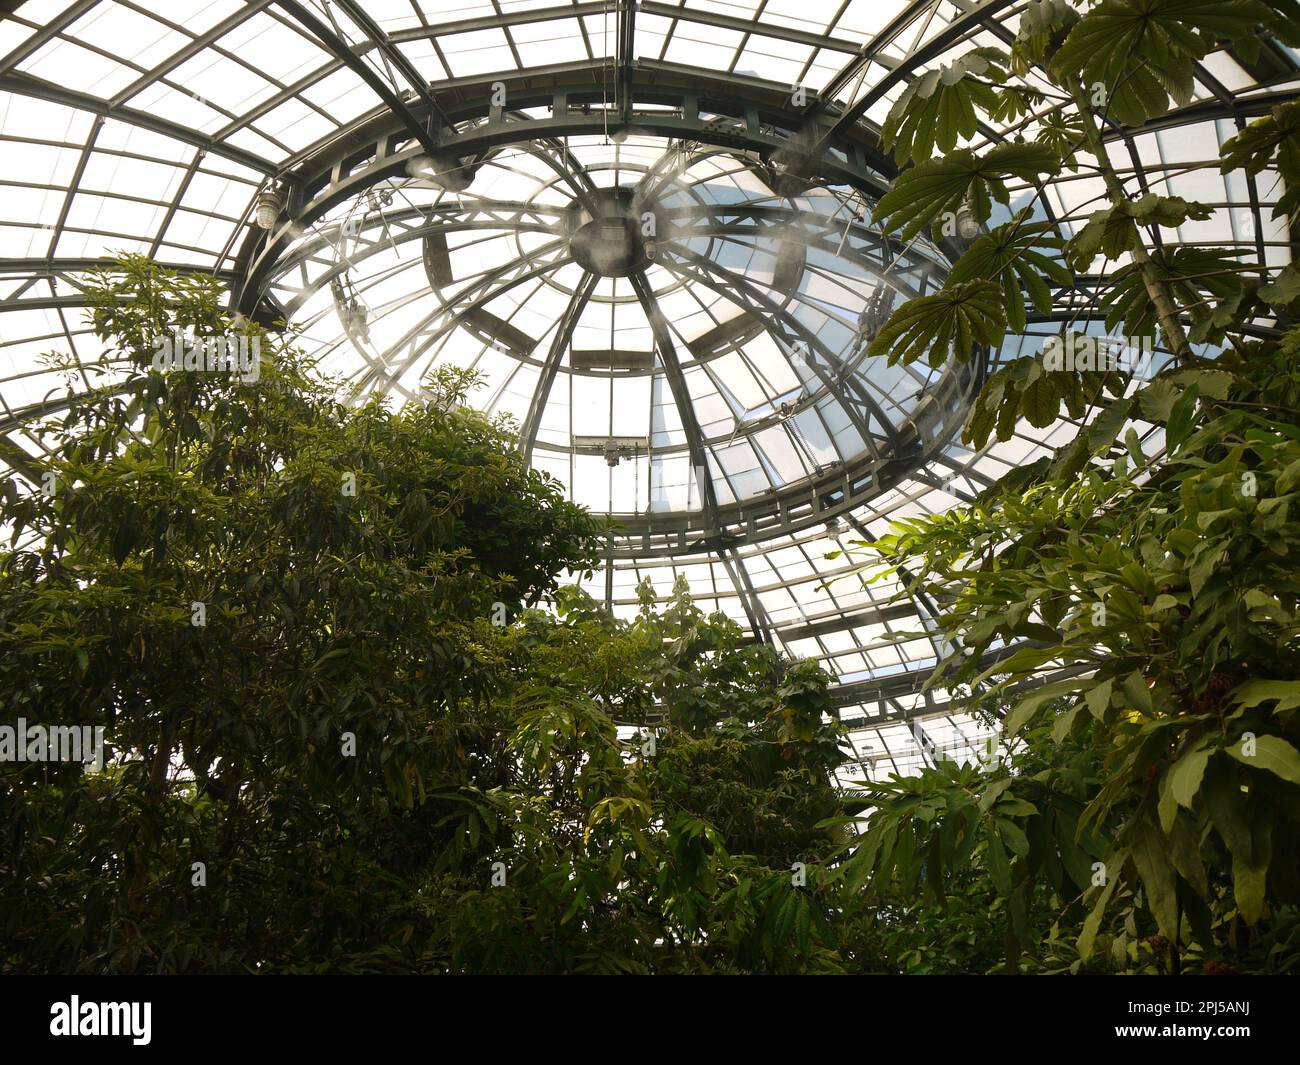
x=339 y=1013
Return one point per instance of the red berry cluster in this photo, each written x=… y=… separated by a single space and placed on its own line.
x=1212 y=701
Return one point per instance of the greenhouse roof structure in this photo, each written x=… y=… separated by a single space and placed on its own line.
x=647 y=225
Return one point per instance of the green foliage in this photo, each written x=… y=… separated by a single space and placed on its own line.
x=931 y=188
x=1192 y=276
x=1272 y=141
x=1113 y=230
x=1062 y=131
x=1044 y=26
x=1121 y=61
x=1008 y=255
x=1024 y=387
x=946 y=325
x=1005 y=834
x=350 y=743
x=677 y=860
x=1174 y=588
x=938 y=108
x=1142 y=52
x=1130 y=618
x=1145 y=814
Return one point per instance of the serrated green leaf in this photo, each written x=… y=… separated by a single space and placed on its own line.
x=939 y=108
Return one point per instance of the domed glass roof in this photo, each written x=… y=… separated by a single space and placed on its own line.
x=682 y=346
x=648 y=226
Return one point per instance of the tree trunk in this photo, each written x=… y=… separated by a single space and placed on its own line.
x=1166 y=312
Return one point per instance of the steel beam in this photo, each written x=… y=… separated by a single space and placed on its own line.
x=57 y=266
x=920 y=55
x=501 y=21
x=26 y=85
x=774 y=31
x=681 y=395
x=870 y=52
x=759 y=623
x=752 y=292
x=328 y=183
x=43 y=34
x=861 y=692
x=519 y=216
x=395 y=56
x=447 y=223
x=926 y=610
x=340 y=50
x=559 y=344
x=625 y=44
x=454 y=310
x=190 y=50
x=823 y=624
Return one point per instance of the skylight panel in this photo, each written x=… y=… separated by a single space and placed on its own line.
x=182 y=108
x=74 y=67
x=233 y=86
x=477 y=52
x=553 y=41
x=294 y=124
x=710 y=48
x=154 y=181
x=120 y=31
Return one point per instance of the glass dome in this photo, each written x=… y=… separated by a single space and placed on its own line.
x=648 y=226
x=681 y=345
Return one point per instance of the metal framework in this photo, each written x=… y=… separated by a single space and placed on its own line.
x=167 y=151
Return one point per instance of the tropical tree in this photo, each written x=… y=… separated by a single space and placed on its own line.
x=340 y=736
x=694 y=838
x=267 y=598
x=1160 y=799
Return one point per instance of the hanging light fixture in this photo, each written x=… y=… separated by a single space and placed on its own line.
x=357 y=319
x=266 y=211
x=968 y=227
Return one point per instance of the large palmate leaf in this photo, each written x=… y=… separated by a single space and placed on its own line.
x=1025 y=388
x=1112 y=232
x=1006 y=255
x=1284 y=291
x=928 y=190
x=1190 y=274
x=1044 y=25
x=1143 y=91
x=1140 y=52
x=939 y=107
x=1282 y=23
x=1241 y=300
x=1062 y=131
x=1015 y=102
x=1272 y=140
x=949 y=323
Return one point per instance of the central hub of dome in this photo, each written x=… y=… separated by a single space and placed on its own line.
x=614 y=240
